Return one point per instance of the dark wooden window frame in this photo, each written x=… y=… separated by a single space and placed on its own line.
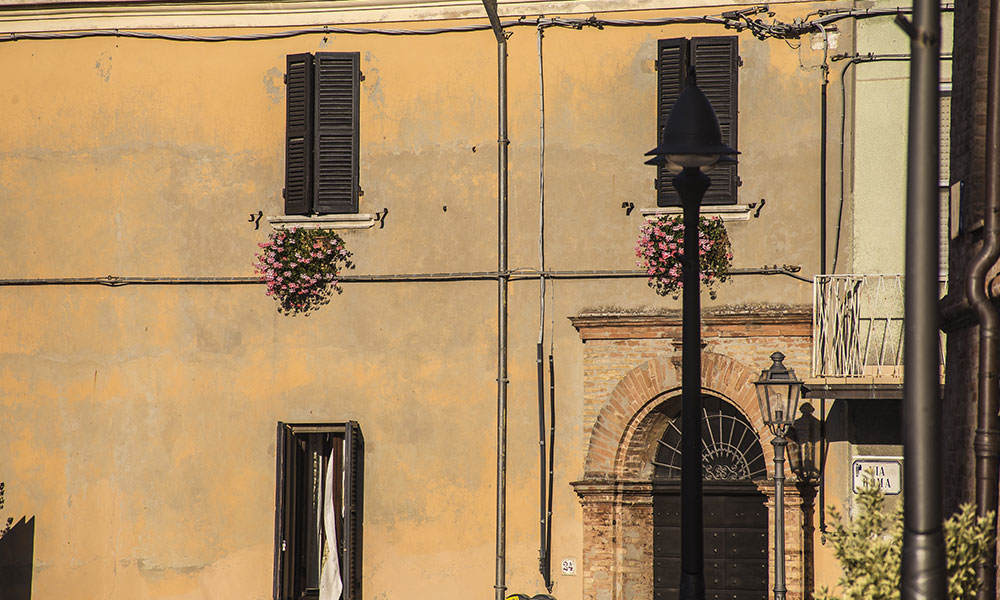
x=322 y=133
x=716 y=61
x=302 y=454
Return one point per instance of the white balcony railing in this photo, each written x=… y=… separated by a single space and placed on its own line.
x=858 y=325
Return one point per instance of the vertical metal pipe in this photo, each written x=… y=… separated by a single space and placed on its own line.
x=822 y=168
x=691 y=184
x=543 y=494
x=547 y=567
x=503 y=279
x=822 y=468
x=779 y=443
x=923 y=558
x=987 y=441
x=542 y=491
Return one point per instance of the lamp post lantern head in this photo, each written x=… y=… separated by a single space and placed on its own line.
x=692 y=137
x=778 y=394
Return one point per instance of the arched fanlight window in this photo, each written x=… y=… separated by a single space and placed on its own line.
x=730 y=451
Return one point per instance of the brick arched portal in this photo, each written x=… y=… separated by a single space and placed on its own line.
x=626 y=427
x=632 y=367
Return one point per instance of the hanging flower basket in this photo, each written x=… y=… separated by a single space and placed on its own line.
x=661 y=245
x=300 y=267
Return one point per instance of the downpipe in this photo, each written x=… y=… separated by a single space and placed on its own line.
x=987 y=440
x=503 y=279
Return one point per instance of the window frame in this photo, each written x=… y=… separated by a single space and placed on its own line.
x=716 y=61
x=292 y=540
x=322 y=133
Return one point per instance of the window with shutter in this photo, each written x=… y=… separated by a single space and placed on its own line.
x=715 y=60
x=321 y=140
x=305 y=452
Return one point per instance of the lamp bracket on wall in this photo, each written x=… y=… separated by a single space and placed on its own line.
x=380 y=218
x=255 y=219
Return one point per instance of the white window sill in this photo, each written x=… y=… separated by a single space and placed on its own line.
x=358 y=221
x=730 y=212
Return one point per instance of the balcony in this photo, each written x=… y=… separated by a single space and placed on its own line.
x=858 y=330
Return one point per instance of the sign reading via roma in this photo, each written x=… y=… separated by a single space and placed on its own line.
x=882 y=471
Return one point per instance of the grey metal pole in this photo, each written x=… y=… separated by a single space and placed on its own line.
x=691 y=185
x=779 y=442
x=923 y=557
x=502 y=282
x=503 y=278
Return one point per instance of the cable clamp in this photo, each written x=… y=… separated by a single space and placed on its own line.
x=111 y=281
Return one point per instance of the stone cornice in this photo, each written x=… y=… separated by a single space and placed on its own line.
x=608 y=490
x=741 y=321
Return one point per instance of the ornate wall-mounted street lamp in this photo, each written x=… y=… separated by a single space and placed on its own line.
x=691 y=145
x=778 y=393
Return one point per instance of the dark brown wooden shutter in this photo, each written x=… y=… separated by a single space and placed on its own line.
x=336 y=132
x=354 y=461
x=671 y=73
x=298 y=134
x=715 y=61
x=286 y=496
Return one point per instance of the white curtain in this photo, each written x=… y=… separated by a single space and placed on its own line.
x=330 y=584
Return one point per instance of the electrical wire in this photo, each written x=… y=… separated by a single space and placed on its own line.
x=541 y=187
x=741 y=20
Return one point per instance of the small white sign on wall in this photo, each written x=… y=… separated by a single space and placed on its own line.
x=884 y=472
x=569 y=566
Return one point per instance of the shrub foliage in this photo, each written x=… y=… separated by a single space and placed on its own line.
x=868 y=548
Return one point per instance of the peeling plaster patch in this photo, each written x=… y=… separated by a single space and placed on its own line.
x=274 y=85
x=644 y=61
x=151 y=567
x=373 y=81
x=103 y=66
x=373 y=87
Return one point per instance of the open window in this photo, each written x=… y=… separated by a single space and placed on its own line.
x=320 y=485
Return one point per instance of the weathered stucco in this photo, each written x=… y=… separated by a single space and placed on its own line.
x=139 y=421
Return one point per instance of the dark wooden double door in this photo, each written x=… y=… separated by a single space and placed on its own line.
x=735 y=542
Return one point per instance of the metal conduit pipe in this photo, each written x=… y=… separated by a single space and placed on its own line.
x=851 y=61
x=822 y=154
x=544 y=507
x=503 y=276
x=115 y=281
x=987 y=440
x=547 y=574
x=923 y=574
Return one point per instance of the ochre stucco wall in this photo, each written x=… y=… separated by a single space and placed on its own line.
x=139 y=422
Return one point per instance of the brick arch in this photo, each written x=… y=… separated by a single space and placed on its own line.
x=626 y=425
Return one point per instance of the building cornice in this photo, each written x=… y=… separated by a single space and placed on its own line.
x=32 y=16
x=740 y=321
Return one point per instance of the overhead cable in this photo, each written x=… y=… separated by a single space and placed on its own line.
x=740 y=20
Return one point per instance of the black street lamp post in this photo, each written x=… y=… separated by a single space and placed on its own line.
x=691 y=144
x=778 y=394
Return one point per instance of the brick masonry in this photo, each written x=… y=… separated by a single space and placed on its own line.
x=632 y=365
